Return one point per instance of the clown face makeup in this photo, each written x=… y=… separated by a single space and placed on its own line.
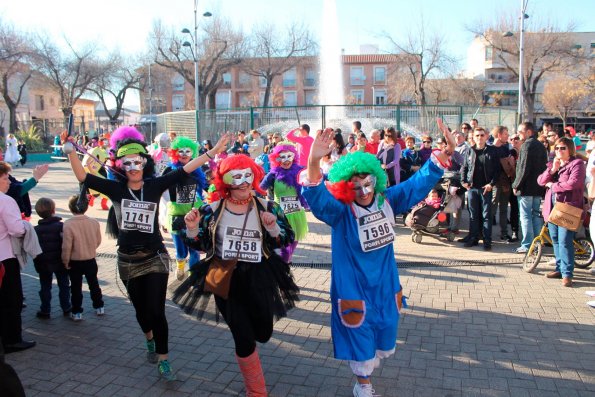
x=136 y=163
x=364 y=186
x=238 y=177
x=185 y=152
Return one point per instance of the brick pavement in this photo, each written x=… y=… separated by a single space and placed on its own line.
x=487 y=329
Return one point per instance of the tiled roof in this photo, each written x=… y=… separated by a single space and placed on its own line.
x=370 y=58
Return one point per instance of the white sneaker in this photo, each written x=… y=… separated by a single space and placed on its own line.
x=76 y=317
x=364 y=390
x=592 y=270
x=100 y=311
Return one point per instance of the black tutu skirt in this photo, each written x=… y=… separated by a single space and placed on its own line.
x=265 y=287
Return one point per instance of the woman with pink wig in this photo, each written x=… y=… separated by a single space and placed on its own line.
x=241 y=232
x=143 y=261
x=288 y=193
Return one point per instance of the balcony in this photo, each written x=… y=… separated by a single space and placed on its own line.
x=310 y=82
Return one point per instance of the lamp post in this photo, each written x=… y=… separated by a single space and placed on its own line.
x=195 y=58
x=522 y=17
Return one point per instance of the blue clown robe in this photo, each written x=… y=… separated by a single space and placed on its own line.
x=371 y=277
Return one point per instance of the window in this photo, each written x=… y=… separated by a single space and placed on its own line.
x=39 y=103
x=358 y=97
x=177 y=83
x=310 y=77
x=245 y=79
x=289 y=98
x=357 y=75
x=488 y=53
x=262 y=81
x=177 y=102
x=244 y=99
x=223 y=100
x=310 y=98
x=226 y=79
x=289 y=78
x=379 y=75
x=52 y=101
x=379 y=97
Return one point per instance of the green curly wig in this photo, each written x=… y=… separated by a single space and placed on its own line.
x=358 y=163
x=183 y=142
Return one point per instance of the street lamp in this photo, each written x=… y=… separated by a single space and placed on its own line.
x=195 y=57
x=522 y=18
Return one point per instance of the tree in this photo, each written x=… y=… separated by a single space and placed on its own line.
x=273 y=53
x=423 y=55
x=547 y=50
x=219 y=47
x=120 y=75
x=72 y=73
x=564 y=95
x=15 y=53
x=459 y=91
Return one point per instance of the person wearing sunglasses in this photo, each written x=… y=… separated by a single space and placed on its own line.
x=426 y=148
x=564 y=179
x=183 y=196
x=479 y=175
x=142 y=259
x=287 y=192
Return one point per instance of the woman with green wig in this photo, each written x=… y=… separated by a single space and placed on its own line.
x=366 y=293
x=184 y=195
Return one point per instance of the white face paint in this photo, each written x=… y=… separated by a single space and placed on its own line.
x=185 y=152
x=286 y=157
x=365 y=186
x=133 y=163
x=237 y=177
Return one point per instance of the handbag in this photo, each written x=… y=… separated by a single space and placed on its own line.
x=508 y=166
x=218 y=278
x=566 y=216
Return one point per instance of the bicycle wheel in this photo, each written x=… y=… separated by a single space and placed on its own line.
x=533 y=256
x=584 y=253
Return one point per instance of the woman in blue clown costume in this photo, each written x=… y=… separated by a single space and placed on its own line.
x=184 y=196
x=283 y=179
x=366 y=292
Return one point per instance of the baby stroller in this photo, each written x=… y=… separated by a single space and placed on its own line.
x=426 y=219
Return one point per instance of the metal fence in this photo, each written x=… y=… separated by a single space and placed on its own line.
x=411 y=119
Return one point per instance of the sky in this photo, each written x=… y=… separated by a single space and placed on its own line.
x=127 y=23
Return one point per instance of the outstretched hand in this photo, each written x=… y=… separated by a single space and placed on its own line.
x=39 y=171
x=222 y=142
x=320 y=146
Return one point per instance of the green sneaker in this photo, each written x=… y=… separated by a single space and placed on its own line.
x=151 y=354
x=165 y=371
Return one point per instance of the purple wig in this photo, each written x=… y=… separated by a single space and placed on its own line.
x=284 y=146
x=125 y=133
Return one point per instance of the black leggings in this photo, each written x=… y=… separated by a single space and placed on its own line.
x=247 y=324
x=147 y=294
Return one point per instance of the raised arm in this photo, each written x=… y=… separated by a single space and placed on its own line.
x=209 y=154
x=319 y=149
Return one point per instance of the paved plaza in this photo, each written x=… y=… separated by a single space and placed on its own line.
x=477 y=325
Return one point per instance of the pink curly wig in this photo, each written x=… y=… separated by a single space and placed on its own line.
x=124 y=133
x=237 y=162
x=283 y=147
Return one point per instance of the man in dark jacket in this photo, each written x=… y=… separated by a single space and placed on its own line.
x=479 y=175
x=531 y=163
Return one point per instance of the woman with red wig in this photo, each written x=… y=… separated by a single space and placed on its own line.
x=143 y=261
x=241 y=233
x=288 y=193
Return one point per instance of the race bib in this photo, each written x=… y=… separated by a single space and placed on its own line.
x=185 y=194
x=290 y=204
x=248 y=247
x=375 y=231
x=138 y=215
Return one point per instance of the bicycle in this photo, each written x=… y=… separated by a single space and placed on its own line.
x=584 y=251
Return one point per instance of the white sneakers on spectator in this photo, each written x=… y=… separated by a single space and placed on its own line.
x=76 y=316
x=100 y=311
x=364 y=390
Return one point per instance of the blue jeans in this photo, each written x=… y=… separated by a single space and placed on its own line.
x=182 y=250
x=563 y=248
x=45 y=293
x=531 y=220
x=480 y=205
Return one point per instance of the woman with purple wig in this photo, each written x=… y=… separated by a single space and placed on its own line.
x=143 y=261
x=288 y=193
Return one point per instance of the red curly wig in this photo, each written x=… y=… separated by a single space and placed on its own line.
x=237 y=162
x=342 y=191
